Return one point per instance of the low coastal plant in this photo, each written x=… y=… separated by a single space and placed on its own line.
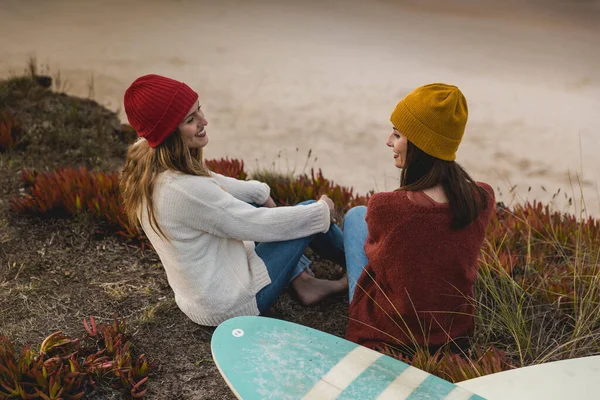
x=538 y=288
x=457 y=367
x=67 y=368
x=70 y=191
x=67 y=192
x=10 y=131
x=544 y=250
x=228 y=167
x=290 y=190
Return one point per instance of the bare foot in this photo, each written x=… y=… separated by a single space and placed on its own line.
x=311 y=290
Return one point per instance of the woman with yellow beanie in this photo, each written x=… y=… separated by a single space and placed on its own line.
x=412 y=254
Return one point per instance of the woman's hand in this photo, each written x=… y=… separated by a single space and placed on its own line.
x=331 y=206
x=269 y=203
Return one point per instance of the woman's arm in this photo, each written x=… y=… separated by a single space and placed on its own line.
x=247 y=191
x=204 y=205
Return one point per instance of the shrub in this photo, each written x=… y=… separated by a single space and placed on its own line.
x=538 y=287
x=10 y=130
x=66 y=192
x=66 y=368
x=126 y=134
x=544 y=249
x=15 y=89
x=290 y=190
x=69 y=191
x=228 y=167
x=456 y=367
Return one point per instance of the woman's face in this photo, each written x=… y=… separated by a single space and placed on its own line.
x=193 y=128
x=398 y=143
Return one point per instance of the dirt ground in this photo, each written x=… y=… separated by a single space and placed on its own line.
x=56 y=271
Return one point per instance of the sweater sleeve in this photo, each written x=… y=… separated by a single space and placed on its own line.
x=248 y=191
x=378 y=213
x=202 y=204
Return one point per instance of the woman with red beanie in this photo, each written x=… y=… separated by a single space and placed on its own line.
x=204 y=225
x=412 y=254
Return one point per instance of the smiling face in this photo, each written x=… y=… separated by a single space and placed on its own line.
x=193 y=128
x=398 y=142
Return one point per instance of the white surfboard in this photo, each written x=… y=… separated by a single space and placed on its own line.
x=578 y=378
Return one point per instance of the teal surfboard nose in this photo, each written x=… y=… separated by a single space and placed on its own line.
x=265 y=358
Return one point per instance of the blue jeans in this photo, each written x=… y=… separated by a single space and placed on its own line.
x=286 y=260
x=355 y=236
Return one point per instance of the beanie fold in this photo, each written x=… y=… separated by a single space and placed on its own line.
x=421 y=136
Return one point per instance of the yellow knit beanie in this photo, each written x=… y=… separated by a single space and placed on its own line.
x=433 y=118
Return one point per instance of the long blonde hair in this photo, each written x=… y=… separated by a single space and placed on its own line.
x=143 y=164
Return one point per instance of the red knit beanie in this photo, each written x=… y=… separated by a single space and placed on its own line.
x=155 y=105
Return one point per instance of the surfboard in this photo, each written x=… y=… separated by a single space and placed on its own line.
x=266 y=358
x=576 y=378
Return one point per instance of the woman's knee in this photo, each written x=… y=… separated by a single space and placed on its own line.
x=355 y=214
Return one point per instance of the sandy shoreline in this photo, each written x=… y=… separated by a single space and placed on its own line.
x=277 y=76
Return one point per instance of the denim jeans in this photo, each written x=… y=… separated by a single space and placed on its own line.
x=355 y=236
x=286 y=260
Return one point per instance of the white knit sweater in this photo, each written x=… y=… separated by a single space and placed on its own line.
x=210 y=260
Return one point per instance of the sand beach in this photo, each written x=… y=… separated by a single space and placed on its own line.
x=279 y=78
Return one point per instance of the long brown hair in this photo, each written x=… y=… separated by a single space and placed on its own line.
x=143 y=165
x=465 y=198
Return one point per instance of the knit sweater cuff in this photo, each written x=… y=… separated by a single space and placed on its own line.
x=325 y=222
x=264 y=194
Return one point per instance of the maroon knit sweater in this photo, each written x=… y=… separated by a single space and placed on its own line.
x=420 y=274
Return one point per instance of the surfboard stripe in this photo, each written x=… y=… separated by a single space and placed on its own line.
x=406 y=383
x=333 y=383
x=374 y=379
x=461 y=394
x=432 y=388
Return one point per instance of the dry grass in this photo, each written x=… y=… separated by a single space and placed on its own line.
x=518 y=314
